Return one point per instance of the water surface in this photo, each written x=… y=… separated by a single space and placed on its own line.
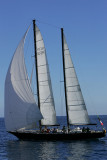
x=13 y=149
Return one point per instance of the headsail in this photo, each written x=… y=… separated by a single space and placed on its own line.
x=47 y=106
x=21 y=109
x=77 y=112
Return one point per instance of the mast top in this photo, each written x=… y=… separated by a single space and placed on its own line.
x=34 y=21
x=62 y=30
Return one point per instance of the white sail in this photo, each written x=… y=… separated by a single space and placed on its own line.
x=21 y=109
x=47 y=107
x=77 y=111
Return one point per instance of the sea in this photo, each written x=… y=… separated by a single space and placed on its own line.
x=11 y=148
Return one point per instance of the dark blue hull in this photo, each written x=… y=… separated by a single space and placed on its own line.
x=58 y=136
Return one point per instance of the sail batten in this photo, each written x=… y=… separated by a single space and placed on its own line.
x=47 y=106
x=77 y=112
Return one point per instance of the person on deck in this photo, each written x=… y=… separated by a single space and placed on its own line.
x=63 y=129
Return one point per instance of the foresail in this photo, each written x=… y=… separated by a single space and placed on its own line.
x=21 y=109
x=47 y=106
x=77 y=112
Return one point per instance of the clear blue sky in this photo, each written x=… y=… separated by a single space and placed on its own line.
x=85 y=27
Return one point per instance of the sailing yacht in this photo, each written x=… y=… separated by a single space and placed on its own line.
x=23 y=114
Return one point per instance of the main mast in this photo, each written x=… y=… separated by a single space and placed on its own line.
x=36 y=66
x=64 y=77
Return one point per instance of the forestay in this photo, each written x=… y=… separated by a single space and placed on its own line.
x=77 y=112
x=47 y=106
x=21 y=109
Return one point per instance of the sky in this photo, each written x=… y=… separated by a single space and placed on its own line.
x=85 y=28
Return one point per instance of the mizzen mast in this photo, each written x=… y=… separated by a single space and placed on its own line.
x=64 y=77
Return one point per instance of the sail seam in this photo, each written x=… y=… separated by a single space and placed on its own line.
x=69 y=67
x=78 y=100
x=44 y=73
x=76 y=105
x=66 y=49
x=74 y=91
x=45 y=80
x=42 y=65
x=72 y=86
x=39 y=40
x=47 y=98
x=46 y=102
x=70 y=77
x=43 y=85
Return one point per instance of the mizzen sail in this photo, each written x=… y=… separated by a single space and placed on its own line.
x=21 y=109
x=77 y=112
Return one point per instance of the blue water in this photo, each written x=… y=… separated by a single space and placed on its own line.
x=13 y=149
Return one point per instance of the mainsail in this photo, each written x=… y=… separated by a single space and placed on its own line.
x=77 y=112
x=21 y=109
x=47 y=106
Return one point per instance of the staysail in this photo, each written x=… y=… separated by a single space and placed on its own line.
x=47 y=106
x=77 y=112
x=21 y=109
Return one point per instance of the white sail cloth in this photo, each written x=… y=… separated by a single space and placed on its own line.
x=77 y=111
x=47 y=106
x=21 y=109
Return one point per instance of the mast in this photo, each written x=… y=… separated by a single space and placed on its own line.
x=64 y=77
x=36 y=66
